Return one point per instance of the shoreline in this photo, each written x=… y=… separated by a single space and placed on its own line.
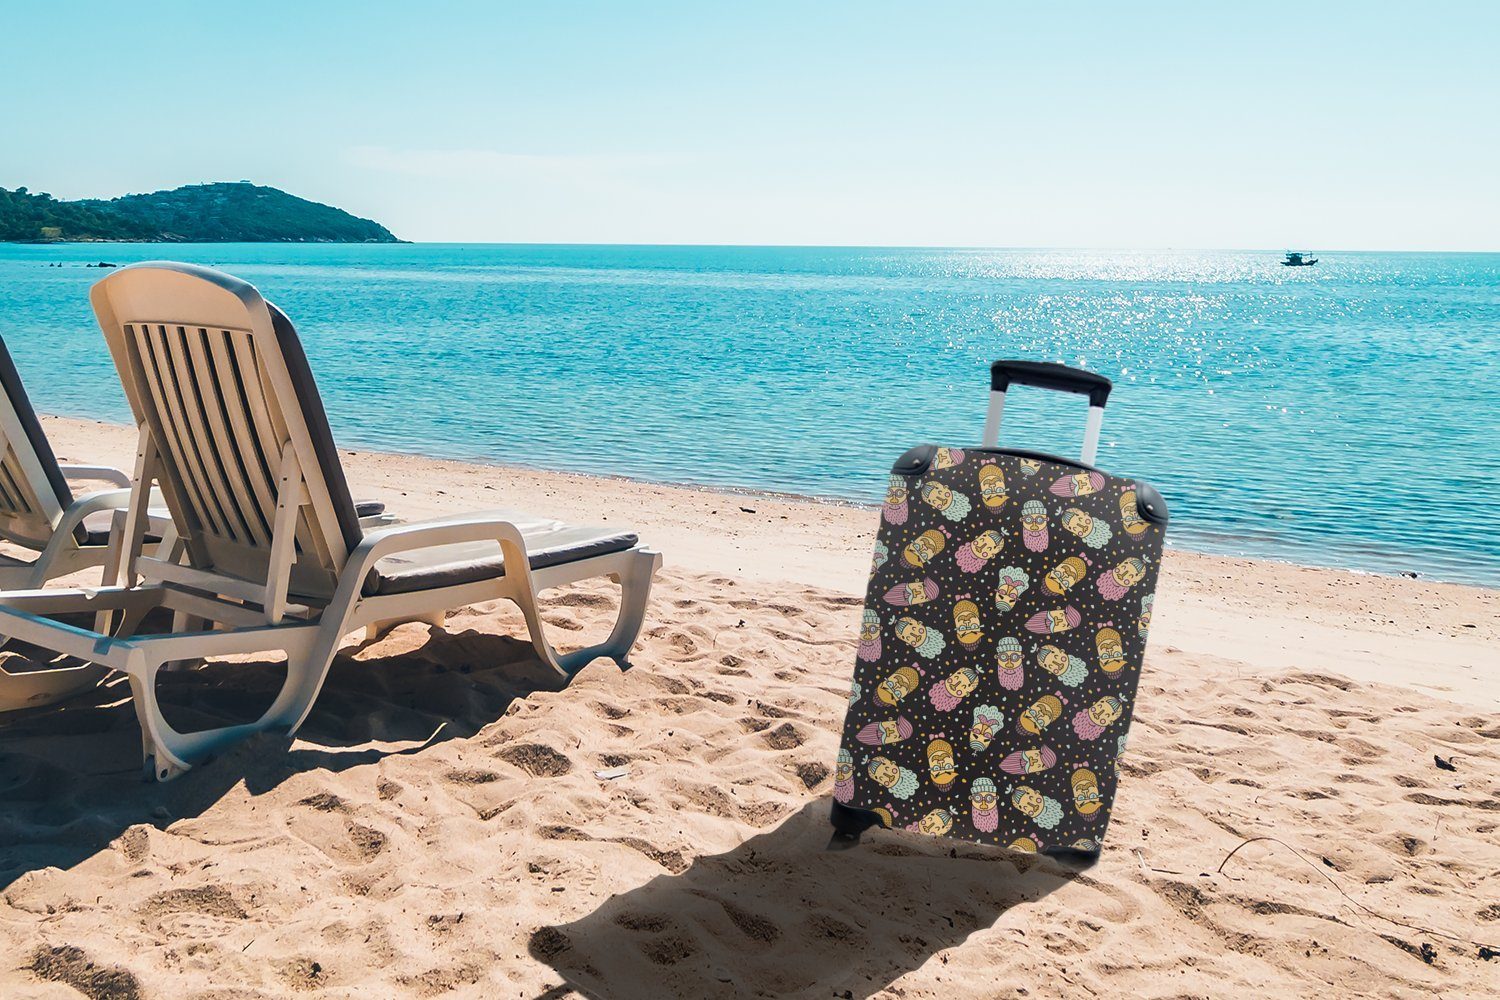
x=814 y=500
x=1427 y=635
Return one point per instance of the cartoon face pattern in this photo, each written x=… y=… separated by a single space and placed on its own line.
x=895 y=510
x=1000 y=651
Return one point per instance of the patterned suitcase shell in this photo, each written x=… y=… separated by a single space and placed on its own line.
x=1000 y=651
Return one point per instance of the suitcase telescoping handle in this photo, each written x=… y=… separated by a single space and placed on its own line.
x=1046 y=375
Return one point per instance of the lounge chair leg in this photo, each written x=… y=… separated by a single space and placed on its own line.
x=635 y=594
x=167 y=753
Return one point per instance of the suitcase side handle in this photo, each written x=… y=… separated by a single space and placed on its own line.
x=1046 y=375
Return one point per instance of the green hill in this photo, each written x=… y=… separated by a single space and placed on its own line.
x=199 y=213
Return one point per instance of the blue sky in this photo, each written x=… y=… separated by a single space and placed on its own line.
x=1330 y=125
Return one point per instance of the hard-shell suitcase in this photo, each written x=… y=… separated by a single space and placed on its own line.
x=1003 y=633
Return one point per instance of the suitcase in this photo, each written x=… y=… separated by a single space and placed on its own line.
x=1002 y=639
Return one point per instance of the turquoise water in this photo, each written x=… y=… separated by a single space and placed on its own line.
x=1338 y=415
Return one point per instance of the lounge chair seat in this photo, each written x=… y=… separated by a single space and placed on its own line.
x=548 y=543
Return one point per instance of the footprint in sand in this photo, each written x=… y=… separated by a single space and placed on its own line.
x=812 y=774
x=756 y=928
x=71 y=966
x=665 y=943
x=785 y=737
x=562 y=620
x=536 y=759
x=582 y=599
x=672 y=861
x=324 y=802
x=303 y=974
x=198 y=912
x=440 y=982
x=647 y=923
x=135 y=843
x=365 y=842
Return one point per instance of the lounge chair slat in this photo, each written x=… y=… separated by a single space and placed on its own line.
x=155 y=374
x=225 y=444
x=212 y=484
x=12 y=497
x=253 y=466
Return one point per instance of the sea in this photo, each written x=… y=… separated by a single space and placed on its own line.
x=1345 y=414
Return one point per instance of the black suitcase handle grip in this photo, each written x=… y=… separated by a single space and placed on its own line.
x=1047 y=375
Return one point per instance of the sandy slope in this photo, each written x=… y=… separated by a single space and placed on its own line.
x=439 y=829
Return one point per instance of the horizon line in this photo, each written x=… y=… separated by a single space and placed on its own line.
x=746 y=246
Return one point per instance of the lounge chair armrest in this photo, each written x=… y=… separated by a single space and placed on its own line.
x=101 y=473
x=92 y=503
x=403 y=537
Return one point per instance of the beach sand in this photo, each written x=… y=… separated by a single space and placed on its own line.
x=1284 y=827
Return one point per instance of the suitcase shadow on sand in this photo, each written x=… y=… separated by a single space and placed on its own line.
x=781 y=916
x=70 y=778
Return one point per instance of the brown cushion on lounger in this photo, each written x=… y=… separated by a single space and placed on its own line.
x=96 y=528
x=548 y=543
x=317 y=426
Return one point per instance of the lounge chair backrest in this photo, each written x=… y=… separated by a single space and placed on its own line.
x=33 y=490
x=217 y=377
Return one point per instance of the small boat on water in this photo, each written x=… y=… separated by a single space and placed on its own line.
x=1298 y=259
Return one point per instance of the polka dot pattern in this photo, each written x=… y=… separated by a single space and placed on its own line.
x=1005 y=625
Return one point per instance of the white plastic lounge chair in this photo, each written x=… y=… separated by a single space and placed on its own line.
x=275 y=558
x=57 y=533
x=38 y=511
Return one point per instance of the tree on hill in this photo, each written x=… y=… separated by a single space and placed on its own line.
x=201 y=213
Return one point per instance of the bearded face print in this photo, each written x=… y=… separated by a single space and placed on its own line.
x=984 y=801
x=972 y=556
x=895 y=510
x=1126 y=574
x=1095 y=532
x=1061 y=664
x=1034 y=525
x=1045 y=812
x=869 y=637
x=1092 y=721
x=926 y=641
x=1010 y=664
x=906 y=595
x=1013 y=583
x=947 y=693
x=992 y=492
x=843 y=777
x=987 y=722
